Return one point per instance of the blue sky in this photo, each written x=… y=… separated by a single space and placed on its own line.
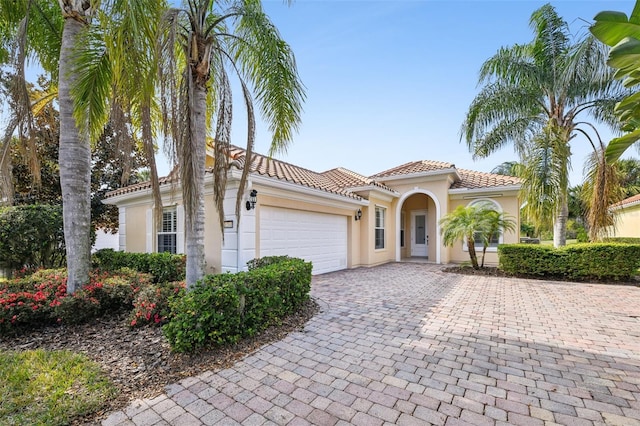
x=390 y=81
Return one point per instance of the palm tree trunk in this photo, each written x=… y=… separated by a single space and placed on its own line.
x=471 y=246
x=560 y=224
x=6 y=172
x=75 y=170
x=194 y=202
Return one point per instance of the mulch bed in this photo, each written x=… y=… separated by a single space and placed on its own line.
x=495 y=272
x=139 y=361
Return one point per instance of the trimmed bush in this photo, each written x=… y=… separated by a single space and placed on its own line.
x=603 y=261
x=223 y=308
x=623 y=240
x=164 y=267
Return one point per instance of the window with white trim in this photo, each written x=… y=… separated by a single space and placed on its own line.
x=167 y=235
x=380 y=214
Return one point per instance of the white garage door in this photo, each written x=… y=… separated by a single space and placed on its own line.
x=316 y=237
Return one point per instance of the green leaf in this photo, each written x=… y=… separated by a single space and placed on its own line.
x=625 y=54
x=619 y=145
x=611 y=27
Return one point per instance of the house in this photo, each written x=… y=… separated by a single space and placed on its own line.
x=337 y=219
x=627 y=214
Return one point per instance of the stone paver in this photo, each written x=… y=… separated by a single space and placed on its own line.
x=409 y=344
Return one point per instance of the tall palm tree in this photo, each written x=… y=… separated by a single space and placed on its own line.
x=205 y=44
x=532 y=97
x=53 y=33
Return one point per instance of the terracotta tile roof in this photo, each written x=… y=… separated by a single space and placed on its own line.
x=474 y=180
x=281 y=170
x=170 y=178
x=627 y=202
x=339 y=180
x=345 y=178
x=414 y=167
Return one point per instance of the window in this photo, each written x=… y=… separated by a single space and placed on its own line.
x=380 y=227
x=402 y=229
x=167 y=235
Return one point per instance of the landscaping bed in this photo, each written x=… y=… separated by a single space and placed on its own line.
x=139 y=361
x=495 y=272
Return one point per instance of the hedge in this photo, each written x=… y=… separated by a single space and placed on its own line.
x=623 y=240
x=164 y=267
x=603 y=261
x=224 y=308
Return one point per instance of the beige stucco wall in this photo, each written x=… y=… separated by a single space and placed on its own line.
x=136 y=233
x=628 y=222
x=509 y=204
x=370 y=256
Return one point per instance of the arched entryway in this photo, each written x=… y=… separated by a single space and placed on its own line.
x=418 y=230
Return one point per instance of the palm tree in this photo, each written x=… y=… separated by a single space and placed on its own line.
x=55 y=31
x=494 y=223
x=508 y=168
x=532 y=97
x=204 y=44
x=462 y=224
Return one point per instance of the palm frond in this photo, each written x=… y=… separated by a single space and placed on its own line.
x=600 y=190
x=92 y=83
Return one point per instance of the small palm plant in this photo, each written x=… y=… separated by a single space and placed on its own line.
x=494 y=223
x=475 y=222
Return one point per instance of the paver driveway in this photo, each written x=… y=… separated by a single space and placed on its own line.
x=408 y=344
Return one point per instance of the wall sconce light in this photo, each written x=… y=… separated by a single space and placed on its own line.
x=253 y=199
x=358 y=215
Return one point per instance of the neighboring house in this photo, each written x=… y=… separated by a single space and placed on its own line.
x=627 y=214
x=105 y=240
x=337 y=219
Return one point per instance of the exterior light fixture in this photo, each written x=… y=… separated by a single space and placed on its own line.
x=358 y=215
x=253 y=199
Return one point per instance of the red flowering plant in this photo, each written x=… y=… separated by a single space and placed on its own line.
x=151 y=305
x=42 y=298
x=30 y=300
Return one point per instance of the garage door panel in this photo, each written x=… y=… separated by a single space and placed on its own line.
x=316 y=237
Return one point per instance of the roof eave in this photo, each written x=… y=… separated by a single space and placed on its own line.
x=484 y=190
x=449 y=170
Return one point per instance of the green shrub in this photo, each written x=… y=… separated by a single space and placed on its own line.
x=32 y=237
x=223 y=308
x=164 y=267
x=623 y=240
x=606 y=261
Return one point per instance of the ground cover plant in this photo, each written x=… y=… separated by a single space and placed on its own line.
x=50 y=387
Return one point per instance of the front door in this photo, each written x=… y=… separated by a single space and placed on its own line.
x=419 y=239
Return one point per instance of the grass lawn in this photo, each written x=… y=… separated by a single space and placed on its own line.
x=49 y=387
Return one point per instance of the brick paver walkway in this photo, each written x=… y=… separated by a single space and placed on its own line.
x=408 y=344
